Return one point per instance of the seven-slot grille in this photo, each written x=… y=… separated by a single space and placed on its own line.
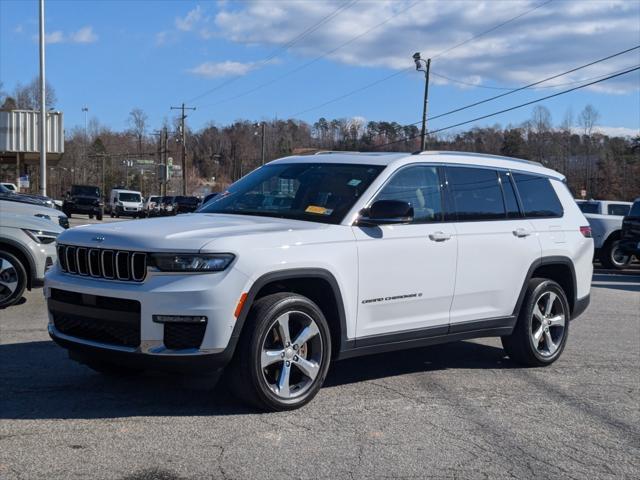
x=103 y=263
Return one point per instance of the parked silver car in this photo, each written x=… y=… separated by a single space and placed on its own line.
x=27 y=251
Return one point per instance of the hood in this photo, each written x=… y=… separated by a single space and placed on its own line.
x=17 y=220
x=22 y=198
x=189 y=232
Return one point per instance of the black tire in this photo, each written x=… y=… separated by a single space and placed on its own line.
x=520 y=345
x=608 y=254
x=245 y=374
x=91 y=215
x=67 y=213
x=99 y=215
x=13 y=279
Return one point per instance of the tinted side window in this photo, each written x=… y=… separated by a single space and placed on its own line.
x=538 y=197
x=476 y=193
x=589 y=207
x=618 y=209
x=420 y=186
x=510 y=200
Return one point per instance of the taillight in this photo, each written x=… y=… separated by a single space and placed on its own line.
x=586 y=232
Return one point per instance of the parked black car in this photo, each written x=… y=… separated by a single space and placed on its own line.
x=630 y=236
x=186 y=204
x=10 y=195
x=84 y=199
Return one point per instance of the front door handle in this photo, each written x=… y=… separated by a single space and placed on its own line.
x=521 y=232
x=439 y=236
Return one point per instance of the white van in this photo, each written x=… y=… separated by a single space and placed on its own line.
x=125 y=203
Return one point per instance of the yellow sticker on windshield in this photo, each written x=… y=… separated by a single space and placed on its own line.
x=318 y=210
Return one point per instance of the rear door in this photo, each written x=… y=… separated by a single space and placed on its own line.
x=496 y=246
x=407 y=271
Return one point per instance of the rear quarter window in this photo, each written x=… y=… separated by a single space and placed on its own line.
x=539 y=199
x=619 y=209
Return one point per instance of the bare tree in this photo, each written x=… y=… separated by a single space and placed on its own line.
x=138 y=124
x=588 y=118
x=27 y=97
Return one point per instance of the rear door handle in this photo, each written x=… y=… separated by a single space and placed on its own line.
x=439 y=236
x=521 y=232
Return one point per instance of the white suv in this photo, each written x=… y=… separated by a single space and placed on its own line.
x=312 y=259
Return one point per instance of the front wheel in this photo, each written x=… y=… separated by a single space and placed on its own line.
x=13 y=279
x=541 y=331
x=611 y=256
x=99 y=215
x=283 y=354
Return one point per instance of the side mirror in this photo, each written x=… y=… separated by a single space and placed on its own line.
x=385 y=212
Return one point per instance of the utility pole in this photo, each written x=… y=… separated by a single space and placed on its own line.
x=184 y=147
x=264 y=128
x=418 y=61
x=43 y=109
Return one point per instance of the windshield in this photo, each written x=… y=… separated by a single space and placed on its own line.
x=588 y=207
x=154 y=199
x=316 y=192
x=4 y=189
x=635 y=209
x=129 y=197
x=85 y=191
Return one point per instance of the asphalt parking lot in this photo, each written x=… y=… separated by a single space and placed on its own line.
x=461 y=410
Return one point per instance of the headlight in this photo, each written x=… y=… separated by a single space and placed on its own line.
x=40 y=236
x=42 y=215
x=186 y=262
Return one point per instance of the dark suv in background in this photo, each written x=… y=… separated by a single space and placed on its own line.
x=84 y=199
x=186 y=204
x=630 y=236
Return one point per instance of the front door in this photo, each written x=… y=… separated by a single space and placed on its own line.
x=407 y=271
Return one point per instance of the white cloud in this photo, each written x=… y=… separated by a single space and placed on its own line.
x=54 y=37
x=187 y=22
x=222 y=69
x=613 y=131
x=549 y=40
x=84 y=35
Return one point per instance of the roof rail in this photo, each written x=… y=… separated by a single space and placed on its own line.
x=472 y=154
x=350 y=152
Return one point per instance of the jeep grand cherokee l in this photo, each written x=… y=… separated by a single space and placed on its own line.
x=312 y=259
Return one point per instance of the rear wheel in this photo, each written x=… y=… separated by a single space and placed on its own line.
x=283 y=354
x=13 y=279
x=541 y=331
x=611 y=256
x=99 y=215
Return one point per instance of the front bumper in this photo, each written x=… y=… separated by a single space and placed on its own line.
x=212 y=295
x=85 y=351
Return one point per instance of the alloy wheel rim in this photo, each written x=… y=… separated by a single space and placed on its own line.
x=617 y=256
x=548 y=324
x=8 y=279
x=291 y=355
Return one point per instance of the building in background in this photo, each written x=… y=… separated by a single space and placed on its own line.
x=20 y=144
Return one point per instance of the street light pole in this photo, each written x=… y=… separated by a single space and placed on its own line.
x=427 y=66
x=262 y=151
x=85 y=109
x=184 y=147
x=43 y=109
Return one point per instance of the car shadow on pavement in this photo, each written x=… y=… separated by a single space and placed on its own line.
x=39 y=381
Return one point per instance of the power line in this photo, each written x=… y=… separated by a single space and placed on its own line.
x=316 y=59
x=400 y=72
x=481 y=34
x=518 y=89
x=282 y=48
x=609 y=77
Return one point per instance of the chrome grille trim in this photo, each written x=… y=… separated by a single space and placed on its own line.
x=125 y=275
x=81 y=255
x=143 y=270
x=70 y=252
x=93 y=273
x=104 y=270
x=121 y=265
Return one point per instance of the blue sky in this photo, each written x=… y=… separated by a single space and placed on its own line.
x=116 y=55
